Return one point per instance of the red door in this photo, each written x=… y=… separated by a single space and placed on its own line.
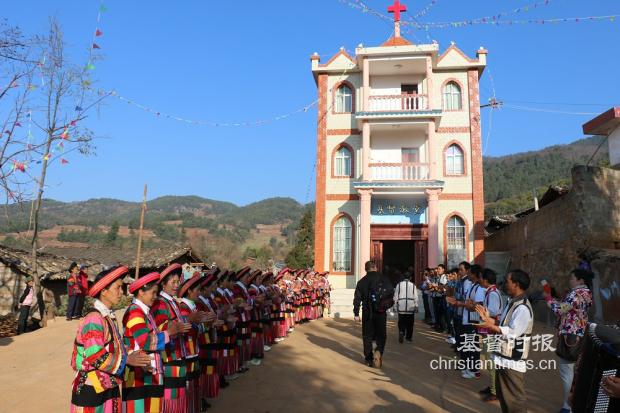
x=409 y=101
x=421 y=260
x=377 y=254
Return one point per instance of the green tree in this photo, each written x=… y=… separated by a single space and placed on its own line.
x=112 y=236
x=302 y=254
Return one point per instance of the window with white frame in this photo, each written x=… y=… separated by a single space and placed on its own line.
x=452 y=97
x=454 y=160
x=456 y=233
x=342 y=245
x=344 y=99
x=342 y=162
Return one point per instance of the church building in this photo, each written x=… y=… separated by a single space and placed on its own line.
x=399 y=162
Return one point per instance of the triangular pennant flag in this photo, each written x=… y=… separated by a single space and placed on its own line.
x=65 y=134
x=46 y=157
x=78 y=109
x=96 y=46
x=98 y=33
x=32 y=87
x=90 y=66
x=17 y=124
x=103 y=8
x=64 y=161
x=73 y=122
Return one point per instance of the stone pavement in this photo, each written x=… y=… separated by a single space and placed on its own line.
x=318 y=368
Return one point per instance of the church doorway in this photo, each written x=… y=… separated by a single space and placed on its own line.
x=397 y=247
x=398 y=256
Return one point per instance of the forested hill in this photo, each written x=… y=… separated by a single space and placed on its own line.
x=509 y=181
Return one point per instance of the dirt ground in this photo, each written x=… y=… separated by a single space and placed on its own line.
x=318 y=368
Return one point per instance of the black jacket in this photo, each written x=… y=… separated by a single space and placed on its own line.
x=25 y=294
x=363 y=289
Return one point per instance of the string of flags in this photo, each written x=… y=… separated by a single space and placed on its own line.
x=97 y=33
x=425 y=10
x=260 y=122
x=495 y=20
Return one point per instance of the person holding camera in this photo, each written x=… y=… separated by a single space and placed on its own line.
x=572 y=315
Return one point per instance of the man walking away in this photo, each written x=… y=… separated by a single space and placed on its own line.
x=25 y=302
x=406 y=305
x=375 y=293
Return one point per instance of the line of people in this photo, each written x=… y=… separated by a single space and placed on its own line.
x=483 y=326
x=181 y=341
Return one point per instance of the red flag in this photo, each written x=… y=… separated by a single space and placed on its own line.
x=18 y=124
x=96 y=46
x=64 y=161
x=73 y=122
x=98 y=33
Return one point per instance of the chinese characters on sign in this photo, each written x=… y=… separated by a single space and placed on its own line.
x=471 y=342
x=391 y=209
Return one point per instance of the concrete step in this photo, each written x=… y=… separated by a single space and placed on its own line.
x=342 y=302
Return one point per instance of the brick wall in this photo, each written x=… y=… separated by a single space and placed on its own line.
x=547 y=243
x=321 y=176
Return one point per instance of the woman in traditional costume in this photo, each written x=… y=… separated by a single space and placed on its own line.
x=209 y=349
x=189 y=293
x=166 y=310
x=143 y=388
x=243 y=306
x=99 y=355
x=227 y=362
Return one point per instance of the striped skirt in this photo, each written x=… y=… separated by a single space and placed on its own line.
x=89 y=401
x=193 y=385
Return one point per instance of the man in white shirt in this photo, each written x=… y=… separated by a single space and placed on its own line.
x=405 y=305
x=468 y=346
x=493 y=303
x=514 y=330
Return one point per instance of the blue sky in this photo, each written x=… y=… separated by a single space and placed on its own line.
x=248 y=60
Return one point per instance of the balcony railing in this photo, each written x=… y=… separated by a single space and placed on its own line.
x=399 y=171
x=404 y=103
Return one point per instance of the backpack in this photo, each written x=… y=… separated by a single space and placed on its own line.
x=381 y=295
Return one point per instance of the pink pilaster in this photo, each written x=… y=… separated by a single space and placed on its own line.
x=365 y=197
x=432 y=196
x=432 y=152
x=366 y=84
x=366 y=151
x=429 y=82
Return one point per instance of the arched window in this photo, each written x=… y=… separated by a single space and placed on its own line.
x=456 y=233
x=342 y=245
x=454 y=160
x=452 y=97
x=344 y=99
x=342 y=162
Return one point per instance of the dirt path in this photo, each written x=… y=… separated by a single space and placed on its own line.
x=317 y=369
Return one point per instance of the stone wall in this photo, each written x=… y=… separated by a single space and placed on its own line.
x=11 y=286
x=547 y=243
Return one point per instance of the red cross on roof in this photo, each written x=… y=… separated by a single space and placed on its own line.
x=396 y=8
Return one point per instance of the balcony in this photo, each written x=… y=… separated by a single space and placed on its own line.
x=399 y=171
x=398 y=103
x=406 y=106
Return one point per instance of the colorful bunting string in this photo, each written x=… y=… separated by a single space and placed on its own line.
x=211 y=123
x=495 y=20
x=503 y=22
x=425 y=10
